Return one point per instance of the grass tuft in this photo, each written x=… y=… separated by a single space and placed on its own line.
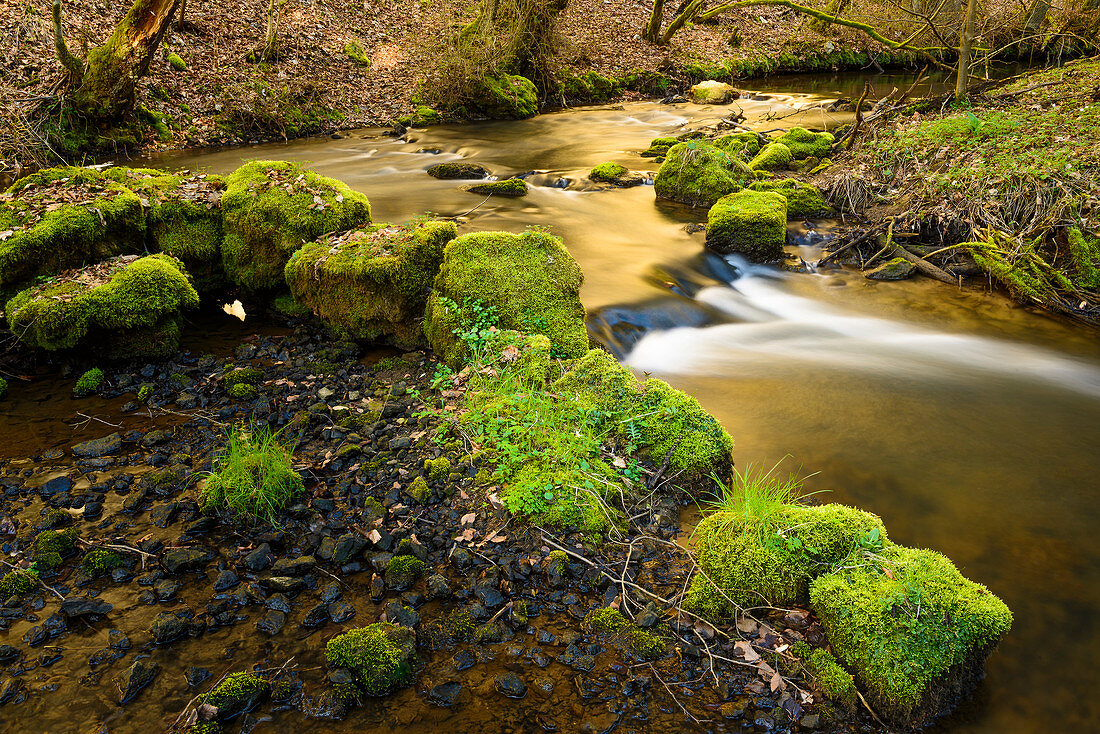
x=253 y=476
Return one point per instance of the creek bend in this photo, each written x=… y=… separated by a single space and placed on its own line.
x=968 y=424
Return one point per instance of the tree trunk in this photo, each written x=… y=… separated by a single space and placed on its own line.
x=108 y=89
x=653 y=28
x=962 y=81
x=1035 y=18
x=180 y=19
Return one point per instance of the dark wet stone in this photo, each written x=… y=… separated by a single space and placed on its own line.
x=98 y=447
x=166 y=627
x=162 y=515
x=316 y=616
x=81 y=607
x=810 y=721
x=445 y=694
x=398 y=613
x=166 y=589
x=226 y=580
x=648 y=616
x=340 y=612
x=259 y=559
x=897 y=269
x=56 y=624
x=377 y=588
x=196 y=676
x=489 y=596
x=36 y=636
x=8 y=653
x=55 y=485
x=272 y=622
x=156 y=438
x=284 y=584
x=132 y=680
x=511 y=685
x=331 y=593
x=134 y=502
x=93 y=509
x=544 y=686
x=278 y=602
x=763 y=720
x=294 y=566
x=539 y=658
x=118 y=640
x=10 y=689
x=347 y=547
x=464 y=660
x=410 y=547
x=175 y=560
x=341 y=677
x=438 y=588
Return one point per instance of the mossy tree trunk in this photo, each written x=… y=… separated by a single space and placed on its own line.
x=105 y=91
x=962 y=80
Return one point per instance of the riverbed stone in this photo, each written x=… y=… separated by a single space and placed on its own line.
x=98 y=447
x=698 y=174
x=379 y=655
x=457 y=170
x=713 y=92
x=177 y=560
x=752 y=224
x=135 y=678
x=897 y=268
x=510 y=685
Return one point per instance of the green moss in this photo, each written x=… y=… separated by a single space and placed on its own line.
x=99 y=561
x=380 y=656
x=438 y=468
x=419 y=490
x=447 y=630
x=242 y=376
x=749 y=223
x=699 y=174
x=3 y=388
x=17 y=583
x=50 y=234
x=239 y=692
x=355 y=51
x=611 y=626
x=513 y=187
x=772 y=157
x=89 y=383
x=176 y=62
x=51 y=546
x=144 y=393
x=505 y=97
x=1085 y=253
x=489 y=633
x=422 y=117
x=658 y=147
x=915 y=637
x=745 y=145
x=206 y=727
x=271 y=208
x=253 y=476
x=403 y=571
x=805 y=144
x=803 y=200
x=531 y=281
x=607 y=172
x=753 y=562
x=138 y=295
x=558 y=561
x=457 y=170
x=241 y=391
x=372 y=283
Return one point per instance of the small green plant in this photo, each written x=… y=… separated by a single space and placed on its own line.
x=757 y=497
x=477 y=323
x=253 y=476
x=89 y=383
x=144 y=393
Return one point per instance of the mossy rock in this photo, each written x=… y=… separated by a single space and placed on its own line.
x=897 y=268
x=772 y=157
x=505 y=97
x=614 y=174
x=658 y=147
x=912 y=629
x=1084 y=251
x=697 y=173
x=176 y=62
x=237 y=694
x=805 y=144
x=52 y=546
x=17 y=583
x=270 y=209
x=836 y=683
x=62 y=218
x=744 y=145
x=755 y=562
x=372 y=283
x=652 y=414
x=457 y=170
x=380 y=656
x=804 y=201
x=713 y=92
x=752 y=224
x=184 y=218
x=530 y=279
x=89 y=383
x=126 y=307
x=612 y=627
x=511 y=187
x=354 y=50
x=3 y=388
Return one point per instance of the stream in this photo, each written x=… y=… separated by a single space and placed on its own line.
x=969 y=424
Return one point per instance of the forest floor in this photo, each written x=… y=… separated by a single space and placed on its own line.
x=315 y=86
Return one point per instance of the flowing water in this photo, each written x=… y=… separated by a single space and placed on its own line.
x=969 y=424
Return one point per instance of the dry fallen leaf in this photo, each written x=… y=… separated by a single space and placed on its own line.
x=745 y=648
x=468 y=518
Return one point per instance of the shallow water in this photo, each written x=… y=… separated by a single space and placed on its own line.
x=969 y=424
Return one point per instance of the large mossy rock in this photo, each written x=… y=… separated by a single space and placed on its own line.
x=183 y=219
x=805 y=144
x=530 y=279
x=697 y=173
x=505 y=97
x=125 y=307
x=270 y=209
x=911 y=628
x=713 y=92
x=752 y=224
x=772 y=157
x=752 y=561
x=380 y=656
x=61 y=218
x=804 y=201
x=372 y=283
x=661 y=420
x=744 y=145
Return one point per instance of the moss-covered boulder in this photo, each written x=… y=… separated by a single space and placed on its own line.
x=457 y=170
x=752 y=560
x=238 y=693
x=63 y=218
x=380 y=656
x=510 y=187
x=744 y=145
x=713 y=92
x=125 y=307
x=752 y=224
x=660 y=420
x=697 y=173
x=183 y=218
x=270 y=209
x=505 y=97
x=804 y=201
x=772 y=157
x=529 y=281
x=830 y=678
x=17 y=583
x=897 y=268
x=911 y=628
x=611 y=627
x=805 y=144
x=371 y=283
x=658 y=147
x=614 y=174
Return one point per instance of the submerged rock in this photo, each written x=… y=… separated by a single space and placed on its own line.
x=98 y=447
x=511 y=187
x=749 y=223
x=135 y=678
x=457 y=170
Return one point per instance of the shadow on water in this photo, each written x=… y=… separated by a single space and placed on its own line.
x=968 y=424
